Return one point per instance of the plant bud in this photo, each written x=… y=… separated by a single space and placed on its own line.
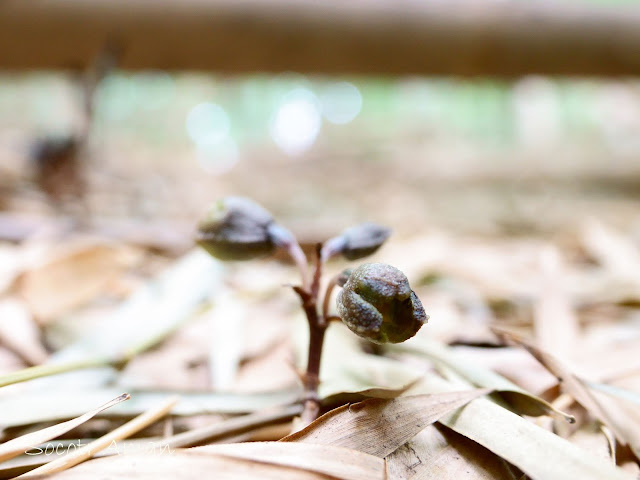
x=236 y=228
x=357 y=242
x=378 y=304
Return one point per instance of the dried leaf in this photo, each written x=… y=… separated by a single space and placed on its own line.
x=233 y=426
x=227 y=319
x=268 y=372
x=519 y=399
x=87 y=451
x=182 y=465
x=152 y=313
x=378 y=427
x=623 y=410
x=537 y=452
x=349 y=373
x=625 y=428
x=326 y=459
x=19 y=331
x=439 y=453
x=10 y=265
x=19 y=445
x=591 y=439
x=72 y=276
x=555 y=322
x=32 y=407
x=612 y=250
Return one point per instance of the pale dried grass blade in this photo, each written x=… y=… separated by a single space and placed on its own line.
x=32 y=407
x=378 y=427
x=20 y=445
x=87 y=451
x=233 y=426
x=335 y=461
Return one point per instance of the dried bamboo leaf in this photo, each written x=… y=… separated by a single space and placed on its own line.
x=439 y=453
x=611 y=249
x=329 y=460
x=31 y=407
x=182 y=465
x=555 y=322
x=625 y=427
x=523 y=401
x=71 y=276
x=378 y=427
x=233 y=426
x=20 y=445
x=89 y=450
x=41 y=454
x=146 y=318
x=20 y=333
x=348 y=373
x=539 y=453
x=624 y=414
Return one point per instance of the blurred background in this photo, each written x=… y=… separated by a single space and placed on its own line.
x=487 y=117
x=500 y=140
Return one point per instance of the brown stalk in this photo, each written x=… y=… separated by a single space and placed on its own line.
x=317 y=329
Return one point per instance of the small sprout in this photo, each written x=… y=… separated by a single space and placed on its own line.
x=357 y=242
x=378 y=304
x=236 y=229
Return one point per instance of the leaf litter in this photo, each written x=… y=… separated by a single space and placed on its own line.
x=425 y=409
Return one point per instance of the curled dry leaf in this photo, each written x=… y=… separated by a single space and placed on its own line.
x=378 y=427
x=626 y=428
x=521 y=400
x=537 y=452
x=623 y=409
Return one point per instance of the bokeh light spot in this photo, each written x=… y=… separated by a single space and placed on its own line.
x=208 y=124
x=297 y=122
x=341 y=102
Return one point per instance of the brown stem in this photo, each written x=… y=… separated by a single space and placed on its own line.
x=312 y=376
x=317 y=329
x=327 y=297
x=300 y=259
x=317 y=274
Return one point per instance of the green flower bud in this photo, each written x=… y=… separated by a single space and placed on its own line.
x=236 y=228
x=357 y=242
x=378 y=304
